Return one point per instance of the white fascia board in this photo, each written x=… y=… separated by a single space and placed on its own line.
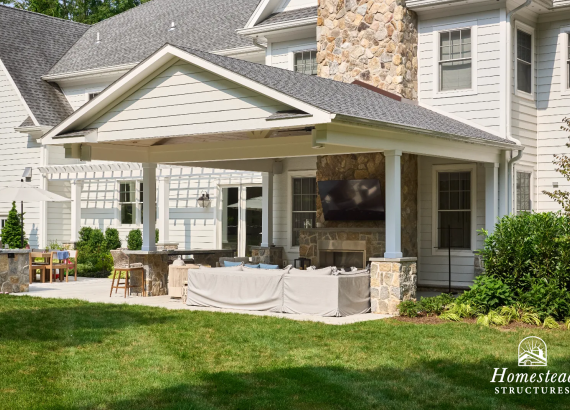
x=263 y=10
x=161 y=59
x=84 y=74
x=35 y=131
x=20 y=96
x=270 y=28
x=341 y=119
x=230 y=52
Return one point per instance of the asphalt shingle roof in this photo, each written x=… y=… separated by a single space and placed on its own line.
x=346 y=99
x=289 y=16
x=132 y=36
x=30 y=44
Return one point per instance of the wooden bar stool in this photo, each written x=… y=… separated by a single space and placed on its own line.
x=121 y=264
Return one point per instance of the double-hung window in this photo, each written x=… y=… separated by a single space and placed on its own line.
x=455 y=63
x=523 y=192
x=454 y=210
x=305 y=62
x=130 y=202
x=304 y=207
x=524 y=61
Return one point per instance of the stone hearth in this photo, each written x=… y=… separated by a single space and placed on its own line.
x=309 y=240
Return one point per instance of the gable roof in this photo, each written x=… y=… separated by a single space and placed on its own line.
x=345 y=99
x=132 y=36
x=30 y=44
x=324 y=98
x=290 y=15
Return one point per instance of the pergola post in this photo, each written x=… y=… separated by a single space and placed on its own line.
x=149 y=206
x=491 y=196
x=267 y=210
x=163 y=209
x=75 y=210
x=393 y=205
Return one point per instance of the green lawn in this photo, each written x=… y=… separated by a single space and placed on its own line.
x=67 y=354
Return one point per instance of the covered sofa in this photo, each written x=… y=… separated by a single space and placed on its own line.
x=283 y=291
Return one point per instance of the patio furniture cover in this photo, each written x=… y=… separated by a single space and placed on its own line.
x=309 y=293
x=236 y=289
x=326 y=295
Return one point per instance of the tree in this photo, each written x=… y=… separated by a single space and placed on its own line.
x=562 y=162
x=12 y=231
x=82 y=11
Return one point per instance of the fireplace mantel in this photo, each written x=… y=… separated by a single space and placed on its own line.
x=373 y=230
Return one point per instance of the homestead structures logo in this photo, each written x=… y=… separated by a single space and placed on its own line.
x=532 y=352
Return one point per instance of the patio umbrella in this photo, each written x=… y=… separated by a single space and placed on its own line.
x=23 y=192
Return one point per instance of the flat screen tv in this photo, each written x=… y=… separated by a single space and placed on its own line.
x=355 y=200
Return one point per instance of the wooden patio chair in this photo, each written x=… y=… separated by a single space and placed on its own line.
x=121 y=264
x=41 y=266
x=61 y=266
x=71 y=264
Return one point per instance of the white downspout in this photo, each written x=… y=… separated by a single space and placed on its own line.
x=509 y=105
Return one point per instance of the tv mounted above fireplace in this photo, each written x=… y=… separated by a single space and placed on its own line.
x=354 y=200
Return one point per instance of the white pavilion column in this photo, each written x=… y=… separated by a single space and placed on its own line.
x=163 y=209
x=149 y=206
x=491 y=196
x=267 y=210
x=75 y=209
x=393 y=205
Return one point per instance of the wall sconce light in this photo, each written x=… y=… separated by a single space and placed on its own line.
x=204 y=200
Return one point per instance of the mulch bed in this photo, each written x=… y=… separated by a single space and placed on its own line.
x=434 y=320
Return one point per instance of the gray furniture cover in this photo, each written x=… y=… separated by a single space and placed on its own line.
x=224 y=288
x=327 y=295
x=324 y=295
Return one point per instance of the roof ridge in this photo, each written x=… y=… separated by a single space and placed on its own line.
x=123 y=13
x=43 y=15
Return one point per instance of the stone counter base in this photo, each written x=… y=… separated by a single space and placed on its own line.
x=13 y=277
x=392 y=281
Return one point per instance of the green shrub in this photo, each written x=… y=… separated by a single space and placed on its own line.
x=12 y=232
x=548 y=298
x=134 y=240
x=550 y=323
x=487 y=293
x=156 y=235
x=409 y=308
x=112 y=239
x=435 y=305
x=94 y=257
x=529 y=245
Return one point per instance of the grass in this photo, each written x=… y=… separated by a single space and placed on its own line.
x=69 y=354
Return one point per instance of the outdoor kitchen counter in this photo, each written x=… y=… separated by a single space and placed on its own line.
x=14 y=274
x=155 y=264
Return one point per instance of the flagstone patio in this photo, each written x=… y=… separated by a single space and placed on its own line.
x=97 y=290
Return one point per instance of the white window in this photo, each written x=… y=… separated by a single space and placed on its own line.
x=305 y=62
x=455 y=65
x=130 y=202
x=523 y=187
x=3 y=220
x=303 y=206
x=524 y=60
x=453 y=218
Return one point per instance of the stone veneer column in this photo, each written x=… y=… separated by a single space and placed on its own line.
x=373 y=41
x=392 y=281
x=14 y=274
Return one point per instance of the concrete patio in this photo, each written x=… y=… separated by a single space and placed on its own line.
x=97 y=291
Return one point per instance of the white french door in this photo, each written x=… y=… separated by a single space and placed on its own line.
x=239 y=217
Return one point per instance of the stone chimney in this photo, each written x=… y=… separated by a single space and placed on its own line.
x=374 y=41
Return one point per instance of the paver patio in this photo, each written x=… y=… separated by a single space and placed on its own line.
x=97 y=290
